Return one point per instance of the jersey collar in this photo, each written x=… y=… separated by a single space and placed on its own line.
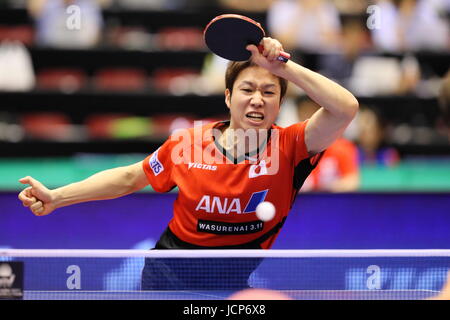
x=252 y=155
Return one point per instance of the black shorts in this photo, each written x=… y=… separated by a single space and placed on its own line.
x=196 y=273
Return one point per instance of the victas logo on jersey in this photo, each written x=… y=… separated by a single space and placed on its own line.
x=212 y=204
x=202 y=166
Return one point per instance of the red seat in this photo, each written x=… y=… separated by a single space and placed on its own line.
x=22 y=33
x=121 y=79
x=67 y=80
x=162 y=79
x=181 y=38
x=101 y=126
x=48 y=126
x=165 y=124
x=130 y=37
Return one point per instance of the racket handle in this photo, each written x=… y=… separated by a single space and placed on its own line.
x=283 y=57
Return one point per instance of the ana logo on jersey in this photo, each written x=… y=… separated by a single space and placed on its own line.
x=257 y=170
x=211 y=204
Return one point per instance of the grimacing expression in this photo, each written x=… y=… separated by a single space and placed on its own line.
x=255 y=100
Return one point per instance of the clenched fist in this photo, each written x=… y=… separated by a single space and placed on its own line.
x=37 y=197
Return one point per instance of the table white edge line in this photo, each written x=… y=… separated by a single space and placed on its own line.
x=249 y=253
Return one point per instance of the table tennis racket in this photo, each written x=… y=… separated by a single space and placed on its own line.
x=228 y=35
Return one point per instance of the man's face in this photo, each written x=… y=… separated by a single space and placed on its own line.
x=255 y=101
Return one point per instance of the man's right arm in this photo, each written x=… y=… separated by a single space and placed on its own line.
x=108 y=184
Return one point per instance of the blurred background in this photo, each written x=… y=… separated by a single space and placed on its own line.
x=87 y=85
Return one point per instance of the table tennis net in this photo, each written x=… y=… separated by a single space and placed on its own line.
x=216 y=274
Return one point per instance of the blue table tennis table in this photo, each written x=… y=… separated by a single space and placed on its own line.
x=301 y=275
x=222 y=295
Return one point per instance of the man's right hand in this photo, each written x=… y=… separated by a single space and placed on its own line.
x=37 y=197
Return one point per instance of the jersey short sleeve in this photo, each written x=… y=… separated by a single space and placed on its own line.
x=158 y=168
x=294 y=141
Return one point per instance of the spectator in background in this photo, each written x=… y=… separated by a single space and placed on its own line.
x=212 y=73
x=67 y=23
x=246 y=5
x=351 y=7
x=371 y=140
x=154 y=4
x=16 y=67
x=380 y=76
x=444 y=104
x=338 y=169
x=309 y=25
x=357 y=67
x=353 y=43
x=384 y=34
x=410 y=25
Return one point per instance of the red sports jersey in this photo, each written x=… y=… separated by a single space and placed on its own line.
x=218 y=195
x=340 y=160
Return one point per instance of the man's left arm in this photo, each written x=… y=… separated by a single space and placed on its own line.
x=338 y=106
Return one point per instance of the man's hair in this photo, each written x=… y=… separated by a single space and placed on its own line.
x=236 y=67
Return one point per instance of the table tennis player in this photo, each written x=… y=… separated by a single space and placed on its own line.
x=216 y=202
